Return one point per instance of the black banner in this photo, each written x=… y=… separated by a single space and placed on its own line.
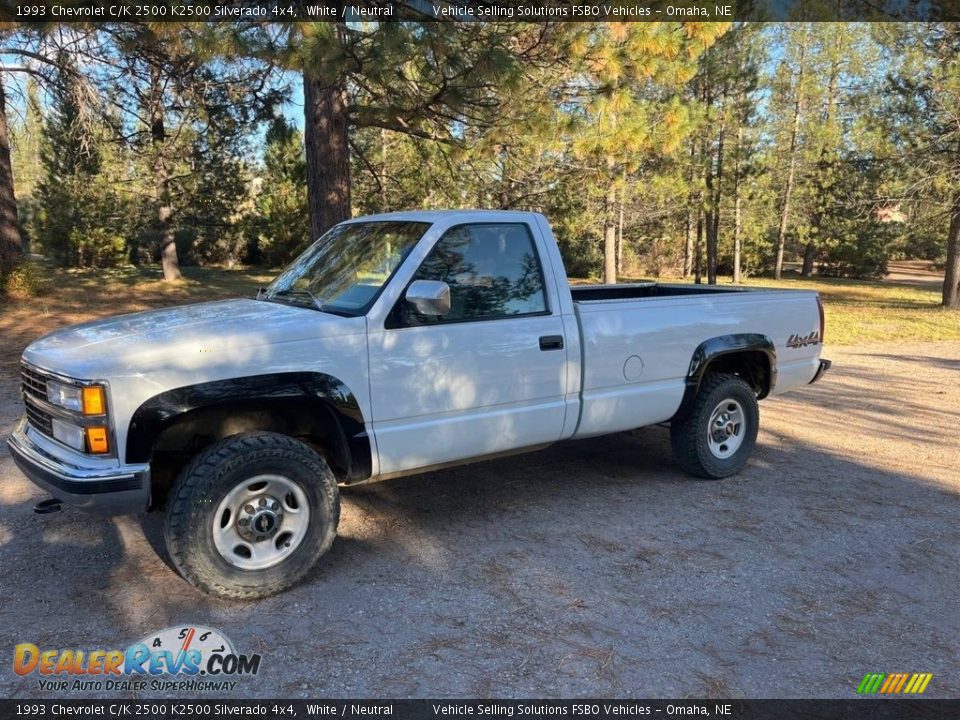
x=203 y=709
x=31 y=11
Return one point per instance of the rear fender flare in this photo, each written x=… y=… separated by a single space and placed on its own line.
x=716 y=347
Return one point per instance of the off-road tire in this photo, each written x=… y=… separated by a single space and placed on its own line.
x=688 y=434
x=188 y=527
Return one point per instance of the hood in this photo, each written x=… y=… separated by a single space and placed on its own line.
x=223 y=331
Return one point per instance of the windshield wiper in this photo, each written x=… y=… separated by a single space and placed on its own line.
x=317 y=305
x=299 y=293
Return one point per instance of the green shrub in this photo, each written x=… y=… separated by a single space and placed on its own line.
x=857 y=249
x=97 y=247
x=25 y=281
x=280 y=230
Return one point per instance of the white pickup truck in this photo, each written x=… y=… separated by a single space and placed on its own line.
x=395 y=344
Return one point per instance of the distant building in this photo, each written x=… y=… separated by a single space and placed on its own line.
x=890 y=214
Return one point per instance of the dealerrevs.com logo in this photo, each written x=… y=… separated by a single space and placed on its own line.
x=192 y=658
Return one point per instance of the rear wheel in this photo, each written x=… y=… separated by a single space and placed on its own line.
x=251 y=515
x=717 y=436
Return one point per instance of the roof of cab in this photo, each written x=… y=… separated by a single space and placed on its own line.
x=432 y=216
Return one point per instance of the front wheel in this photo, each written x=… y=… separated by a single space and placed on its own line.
x=251 y=515
x=717 y=436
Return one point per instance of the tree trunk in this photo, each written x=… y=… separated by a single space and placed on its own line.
x=951 y=279
x=610 y=232
x=10 y=238
x=791 y=165
x=737 y=220
x=809 y=257
x=709 y=211
x=691 y=202
x=623 y=201
x=503 y=157
x=713 y=220
x=698 y=235
x=168 y=243
x=161 y=179
x=698 y=250
x=384 y=205
x=785 y=208
x=326 y=125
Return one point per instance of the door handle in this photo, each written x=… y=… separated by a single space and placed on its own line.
x=551 y=342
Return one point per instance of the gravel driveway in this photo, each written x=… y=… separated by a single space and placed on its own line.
x=593 y=569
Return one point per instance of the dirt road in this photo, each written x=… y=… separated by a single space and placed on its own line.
x=591 y=569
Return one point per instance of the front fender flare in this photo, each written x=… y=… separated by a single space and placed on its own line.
x=160 y=411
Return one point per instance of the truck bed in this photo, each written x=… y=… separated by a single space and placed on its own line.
x=638 y=340
x=636 y=291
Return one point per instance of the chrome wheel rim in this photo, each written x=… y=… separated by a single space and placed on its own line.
x=726 y=429
x=261 y=522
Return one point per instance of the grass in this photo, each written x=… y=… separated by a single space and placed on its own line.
x=867 y=311
x=857 y=311
x=129 y=289
x=146 y=283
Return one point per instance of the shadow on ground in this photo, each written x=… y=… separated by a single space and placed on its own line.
x=593 y=568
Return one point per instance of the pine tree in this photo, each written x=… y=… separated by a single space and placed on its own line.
x=24 y=44
x=725 y=86
x=26 y=137
x=10 y=237
x=281 y=225
x=628 y=105
x=426 y=80
x=186 y=101
x=70 y=158
x=923 y=119
x=796 y=76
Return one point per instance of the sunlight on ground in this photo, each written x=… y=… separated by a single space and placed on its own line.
x=16 y=488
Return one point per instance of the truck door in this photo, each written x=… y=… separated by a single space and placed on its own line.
x=486 y=377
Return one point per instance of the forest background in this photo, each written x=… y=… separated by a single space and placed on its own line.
x=698 y=150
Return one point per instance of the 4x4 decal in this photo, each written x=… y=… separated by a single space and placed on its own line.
x=799 y=341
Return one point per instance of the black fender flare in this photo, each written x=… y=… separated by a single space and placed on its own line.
x=715 y=347
x=301 y=390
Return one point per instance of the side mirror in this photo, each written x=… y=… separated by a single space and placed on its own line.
x=429 y=297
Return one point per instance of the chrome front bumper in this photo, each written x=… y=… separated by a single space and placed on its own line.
x=115 y=490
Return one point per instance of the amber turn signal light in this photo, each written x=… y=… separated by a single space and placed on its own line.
x=93 y=403
x=97 y=440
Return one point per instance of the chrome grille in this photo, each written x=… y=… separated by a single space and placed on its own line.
x=33 y=383
x=39 y=419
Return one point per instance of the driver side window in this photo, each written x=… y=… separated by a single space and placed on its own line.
x=493 y=272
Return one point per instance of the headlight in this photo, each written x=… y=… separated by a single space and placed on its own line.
x=93 y=440
x=70 y=435
x=65 y=396
x=88 y=400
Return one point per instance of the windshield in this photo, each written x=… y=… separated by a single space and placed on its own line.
x=344 y=271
